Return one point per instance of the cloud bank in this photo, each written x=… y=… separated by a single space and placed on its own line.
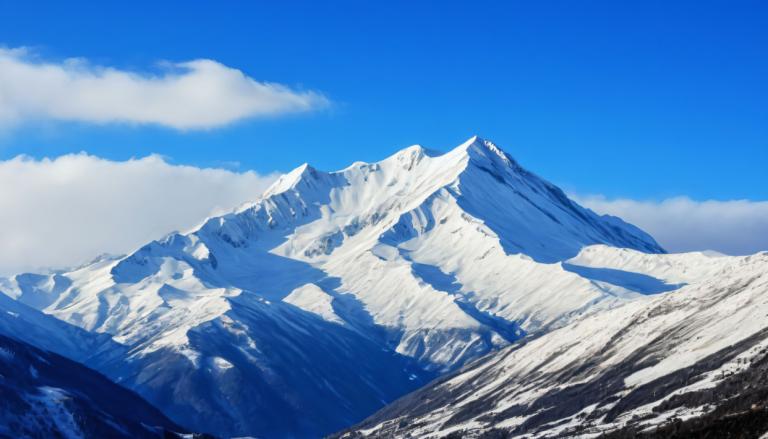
x=198 y=94
x=66 y=211
x=736 y=227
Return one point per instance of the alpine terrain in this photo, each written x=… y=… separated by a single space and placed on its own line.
x=693 y=363
x=336 y=293
x=43 y=394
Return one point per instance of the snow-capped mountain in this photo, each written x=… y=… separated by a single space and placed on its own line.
x=694 y=361
x=337 y=292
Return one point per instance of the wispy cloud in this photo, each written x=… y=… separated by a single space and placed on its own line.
x=681 y=224
x=198 y=94
x=65 y=211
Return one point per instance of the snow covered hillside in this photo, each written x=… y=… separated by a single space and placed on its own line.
x=337 y=292
x=699 y=354
x=44 y=395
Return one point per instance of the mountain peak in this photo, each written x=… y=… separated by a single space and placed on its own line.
x=473 y=139
x=527 y=213
x=477 y=147
x=410 y=156
x=292 y=179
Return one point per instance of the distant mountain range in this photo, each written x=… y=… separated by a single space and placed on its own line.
x=337 y=293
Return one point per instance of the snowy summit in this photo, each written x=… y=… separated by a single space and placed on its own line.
x=337 y=292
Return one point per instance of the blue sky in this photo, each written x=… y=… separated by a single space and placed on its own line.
x=643 y=99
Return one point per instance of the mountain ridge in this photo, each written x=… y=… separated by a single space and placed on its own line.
x=423 y=260
x=658 y=362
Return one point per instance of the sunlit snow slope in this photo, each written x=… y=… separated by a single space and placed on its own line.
x=698 y=354
x=338 y=292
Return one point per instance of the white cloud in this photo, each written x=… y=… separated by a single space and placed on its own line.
x=196 y=94
x=679 y=224
x=63 y=212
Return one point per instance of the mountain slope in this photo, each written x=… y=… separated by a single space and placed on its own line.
x=45 y=395
x=338 y=292
x=22 y=322
x=675 y=356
